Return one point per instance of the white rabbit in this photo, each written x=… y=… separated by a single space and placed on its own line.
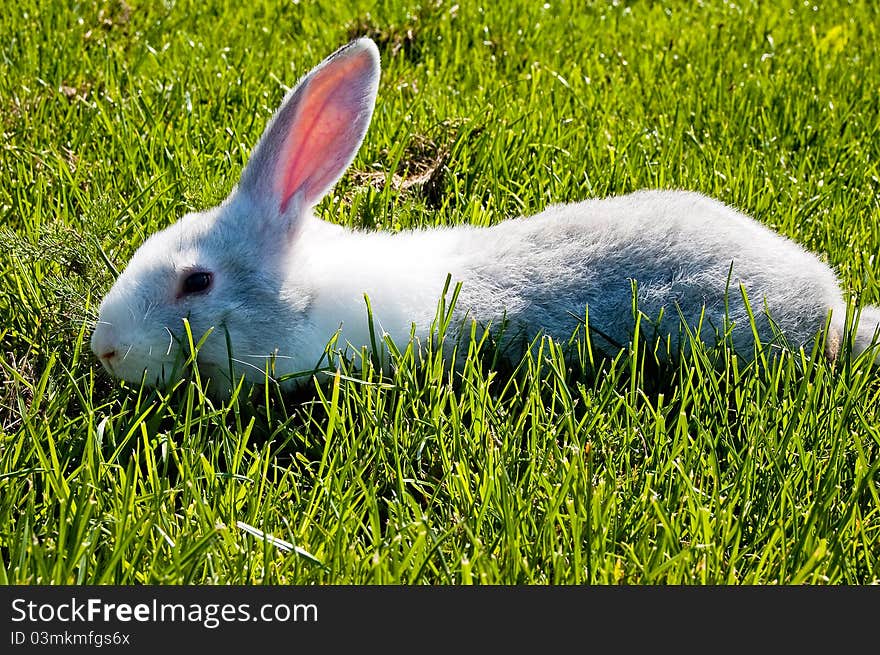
x=276 y=283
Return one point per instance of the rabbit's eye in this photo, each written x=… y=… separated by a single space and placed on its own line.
x=197 y=283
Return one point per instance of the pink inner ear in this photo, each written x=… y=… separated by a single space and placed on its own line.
x=327 y=130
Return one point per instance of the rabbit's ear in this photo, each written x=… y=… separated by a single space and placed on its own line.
x=315 y=134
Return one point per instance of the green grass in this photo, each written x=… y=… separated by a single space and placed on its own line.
x=117 y=118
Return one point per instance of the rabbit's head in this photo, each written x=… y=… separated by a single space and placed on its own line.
x=224 y=270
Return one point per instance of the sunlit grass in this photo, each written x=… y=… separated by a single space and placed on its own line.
x=117 y=118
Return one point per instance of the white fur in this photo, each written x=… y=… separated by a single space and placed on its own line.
x=285 y=282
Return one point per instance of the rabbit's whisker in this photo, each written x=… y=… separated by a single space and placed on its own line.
x=170 y=341
x=268 y=356
x=253 y=366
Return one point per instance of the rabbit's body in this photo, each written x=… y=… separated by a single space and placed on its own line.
x=537 y=274
x=273 y=284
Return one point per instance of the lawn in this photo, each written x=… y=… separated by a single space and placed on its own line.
x=119 y=117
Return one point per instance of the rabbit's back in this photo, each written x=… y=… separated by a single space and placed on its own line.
x=540 y=272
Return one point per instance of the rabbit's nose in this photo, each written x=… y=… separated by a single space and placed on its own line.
x=108 y=359
x=103 y=344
